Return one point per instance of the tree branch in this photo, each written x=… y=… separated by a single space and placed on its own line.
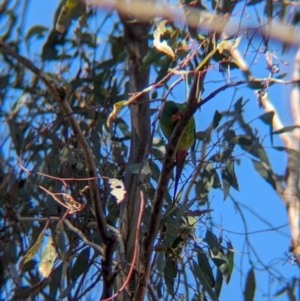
x=291 y=192
x=136 y=42
x=193 y=104
x=59 y=95
x=147 y=10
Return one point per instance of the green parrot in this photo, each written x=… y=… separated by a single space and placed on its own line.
x=171 y=113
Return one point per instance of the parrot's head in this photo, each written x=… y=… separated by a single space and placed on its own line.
x=172 y=111
x=176 y=116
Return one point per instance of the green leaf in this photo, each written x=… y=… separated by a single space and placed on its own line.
x=221 y=262
x=267 y=118
x=225 y=61
x=204 y=265
x=261 y=153
x=73 y=9
x=29 y=266
x=255 y=85
x=67 y=156
x=294 y=154
x=244 y=140
x=219 y=283
x=229 y=178
x=155 y=171
x=37 y=30
x=206 y=59
x=87 y=38
x=55 y=282
x=269 y=8
x=206 y=182
x=66 y=291
x=250 y=286
x=227 y=6
x=81 y=264
x=257 y=150
x=152 y=56
x=165 y=65
x=33 y=250
x=230 y=137
x=203 y=136
x=230 y=259
x=214 y=4
x=11 y=252
x=60 y=236
x=286 y=129
x=199 y=297
x=17 y=131
x=177 y=246
x=253 y=2
x=289 y=288
x=264 y=172
x=49 y=51
x=173 y=221
x=226 y=125
x=280 y=76
x=117 y=48
x=296 y=18
x=222 y=156
x=212 y=241
x=216 y=253
x=203 y=281
x=217 y=182
x=4 y=81
x=3 y=279
x=159 y=288
x=170 y=273
x=217 y=118
x=136 y=168
x=226 y=188
x=238 y=106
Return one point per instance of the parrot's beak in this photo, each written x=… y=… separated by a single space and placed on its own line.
x=176 y=116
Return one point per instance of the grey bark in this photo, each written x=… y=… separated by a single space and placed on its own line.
x=136 y=41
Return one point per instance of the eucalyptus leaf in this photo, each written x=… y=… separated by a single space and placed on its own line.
x=170 y=273
x=265 y=173
x=250 y=286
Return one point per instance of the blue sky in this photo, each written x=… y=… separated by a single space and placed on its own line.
x=254 y=192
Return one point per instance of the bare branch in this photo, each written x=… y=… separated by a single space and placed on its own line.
x=291 y=192
x=147 y=10
x=81 y=235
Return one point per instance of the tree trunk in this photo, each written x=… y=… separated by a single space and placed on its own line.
x=136 y=41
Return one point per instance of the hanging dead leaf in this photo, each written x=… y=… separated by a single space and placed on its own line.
x=118 y=189
x=229 y=45
x=33 y=250
x=117 y=107
x=162 y=46
x=49 y=255
x=66 y=200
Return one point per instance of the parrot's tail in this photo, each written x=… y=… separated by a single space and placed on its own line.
x=180 y=159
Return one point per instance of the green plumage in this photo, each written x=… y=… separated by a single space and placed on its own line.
x=171 y=113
